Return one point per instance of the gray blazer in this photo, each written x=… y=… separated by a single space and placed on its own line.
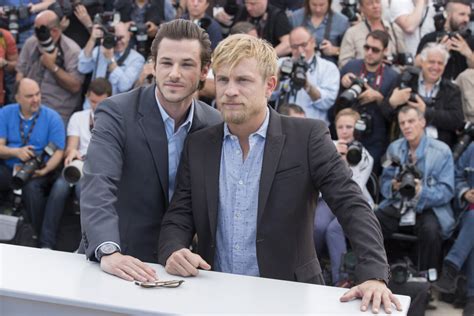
x=124 y=192
x=299 y=160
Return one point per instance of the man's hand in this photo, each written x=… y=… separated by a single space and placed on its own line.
x=469 y=196
x=108 y=52
x=399 y=97
x=223 y=18
x=41 y=172
x=370 y=95
x=49 y=59
x=152 y=29
x=341 y=147
x=346 y=80
x=96 y=32
x=127 y=268
x=72 y=155
x=419 y=104
x=395 y=185
x=373 y=291
x=185 y=263
x=459 y=44
x=25 y=153
x=327 y=48
x=80 y=12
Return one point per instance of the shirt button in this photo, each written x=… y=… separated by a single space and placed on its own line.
x=237 y=247
x=237 y=215
x=241 y=182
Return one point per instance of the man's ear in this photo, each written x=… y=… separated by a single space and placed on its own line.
x=271 y=83
x=204 y=71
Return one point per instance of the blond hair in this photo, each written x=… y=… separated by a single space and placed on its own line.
x=236 y=47
x=347 y=112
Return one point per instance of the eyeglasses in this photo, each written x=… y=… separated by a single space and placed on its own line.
x=303 y=45
x=168 y=284
x=376 y=50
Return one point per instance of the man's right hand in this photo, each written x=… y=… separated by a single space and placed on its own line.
x=127 y=268
x=469 y=196
x=72 y=155
x=399 y=97
x=185 y=263
x=25 y=153
x=395 y=185
x=97 y=32
x=346 y=80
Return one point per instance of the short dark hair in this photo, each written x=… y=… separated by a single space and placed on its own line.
x=100 y=86
x=307 y=9
x=181 y=29
x=381 y=36
x=242 y=27
x=284 y=109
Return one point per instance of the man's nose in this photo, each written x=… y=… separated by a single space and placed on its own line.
x=175 y=71
x=231 y=89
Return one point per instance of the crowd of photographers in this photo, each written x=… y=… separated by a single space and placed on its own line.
x=393 y=81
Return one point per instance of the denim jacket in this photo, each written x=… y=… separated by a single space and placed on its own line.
x=435 y=161
x=464 y=175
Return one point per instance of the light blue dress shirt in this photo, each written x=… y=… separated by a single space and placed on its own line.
x=122 y=78
x=238 y=203
x=175 y=142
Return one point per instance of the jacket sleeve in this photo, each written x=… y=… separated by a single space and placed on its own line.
x=102 y=172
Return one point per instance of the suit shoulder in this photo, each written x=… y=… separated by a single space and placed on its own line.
x=210 y=115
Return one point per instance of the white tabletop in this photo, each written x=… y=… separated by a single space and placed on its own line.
x=68 y=279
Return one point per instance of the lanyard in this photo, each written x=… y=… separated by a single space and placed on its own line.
x=378 y=76
x=26 y=139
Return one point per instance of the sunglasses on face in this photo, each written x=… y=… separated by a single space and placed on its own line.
x=376 y=50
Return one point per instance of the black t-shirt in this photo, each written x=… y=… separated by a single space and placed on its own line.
x=271 y=26
x=457 y=62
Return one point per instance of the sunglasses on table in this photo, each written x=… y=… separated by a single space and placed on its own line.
x=167 y=284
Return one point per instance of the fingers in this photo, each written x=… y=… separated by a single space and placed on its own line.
x=376 y=300
x=185 y=263
x=350 y=295
x=387 y=303
x=127 y=268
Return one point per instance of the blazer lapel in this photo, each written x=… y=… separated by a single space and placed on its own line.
x=271 y=156
x=212 y=164
x=153 y=128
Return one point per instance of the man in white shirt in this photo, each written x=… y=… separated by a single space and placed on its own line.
x=78 y=138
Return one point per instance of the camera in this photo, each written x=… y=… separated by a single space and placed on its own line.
x=107 y=20
x=139 y=31
x=402 y=271
x=354 y=152
x=349 y=96
x=295 y=71
x=403 y=59
x=466 y=139
x=440 y=15
x=349 y=9
x=408 y=79
x=72 y=173
x=44 y=39
x=30 y=166
x=13 y=15
x=406 y=176
x=203 y=23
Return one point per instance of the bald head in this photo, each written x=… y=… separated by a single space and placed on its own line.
x=28 y=95
x=47 y=18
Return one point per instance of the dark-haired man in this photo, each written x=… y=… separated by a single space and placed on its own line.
x=129 y=174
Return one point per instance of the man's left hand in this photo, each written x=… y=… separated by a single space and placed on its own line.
x=40 y=172
x=459 y=44
x=49 y=59
x=419 y=104
x=370 y=95
x=373 y=291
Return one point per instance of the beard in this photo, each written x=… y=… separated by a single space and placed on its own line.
x=176 y=98
x=455 y=26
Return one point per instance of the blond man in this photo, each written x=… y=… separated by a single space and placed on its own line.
x=247 y=187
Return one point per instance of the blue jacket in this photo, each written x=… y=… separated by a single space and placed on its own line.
x=438 y=179
x=464 y=175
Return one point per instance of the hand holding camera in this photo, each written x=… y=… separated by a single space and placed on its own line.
x=49 y=60
x=370 y=95
x=347 y=80
x=341 y=147
x=152 y=29
x=399 y=97
x=81 y=14
x=25 y=153
x=469 y=196
x=459 y=44
x=327 y=49
x=73 y=154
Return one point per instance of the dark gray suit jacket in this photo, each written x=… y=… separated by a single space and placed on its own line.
x=124 y=191
x=299 y=160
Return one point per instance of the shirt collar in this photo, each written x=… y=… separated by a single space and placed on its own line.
x=421 y=81
x=186 y=124
x=262 y=131
x=32 y=117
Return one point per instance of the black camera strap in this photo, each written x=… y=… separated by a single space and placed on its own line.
x=121 y=60
x=26 y=139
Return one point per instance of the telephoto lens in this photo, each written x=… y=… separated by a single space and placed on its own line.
x=44 y=38
x=72 y=173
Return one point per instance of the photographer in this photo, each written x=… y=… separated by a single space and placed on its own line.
x=79 y=132
x=418 y=202
x=8 y=60
x=113 y=59
x=376 y=81
x=26 y=128
x=327 y=230
x=438 y=98
x=196 y=12
x=319 y=78
x=456 y=37
x=326 y=26
x=50 y=58
x=461 y=254
x=352 y=45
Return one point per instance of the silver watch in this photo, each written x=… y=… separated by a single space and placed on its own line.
x=106 y=250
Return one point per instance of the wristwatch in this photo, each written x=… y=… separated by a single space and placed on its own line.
x=106 y=250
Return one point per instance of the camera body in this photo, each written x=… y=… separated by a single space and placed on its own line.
x=408 y=79
x=403 y=59
x=295 y=71
x=349 y=9
x=404 y=270
x=13 y=15
x=139 y=31
x=107 y=20
x=406 y=176
x=30 y=166
x=354 y=152
x=350 y=96
x=465 y=141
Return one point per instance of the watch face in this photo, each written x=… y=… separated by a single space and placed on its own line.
x=108 y=249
